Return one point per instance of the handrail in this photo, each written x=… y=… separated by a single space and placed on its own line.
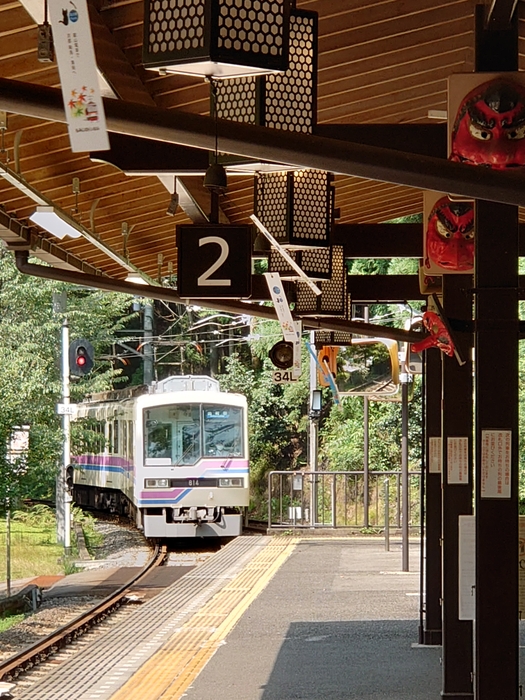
x=339 y=499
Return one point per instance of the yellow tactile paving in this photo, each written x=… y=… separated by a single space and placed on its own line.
x=169 y=672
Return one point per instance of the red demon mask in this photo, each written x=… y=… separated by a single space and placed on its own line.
x=439 y=336
x=490 y=126
x=450 y=235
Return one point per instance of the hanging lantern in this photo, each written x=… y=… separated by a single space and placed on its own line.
x=281 y=100
x=216 y=38
x=333 y=300
x=333 y=338
x=296 y=207
x=314 y=262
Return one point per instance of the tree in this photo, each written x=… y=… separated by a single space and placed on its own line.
x=276 y=412
x=30 y=375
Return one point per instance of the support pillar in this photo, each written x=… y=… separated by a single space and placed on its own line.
x=430 y=633
x=496 y=303
x=496 y=343
x=457 y=427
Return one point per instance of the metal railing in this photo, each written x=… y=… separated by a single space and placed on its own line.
x=336 y=499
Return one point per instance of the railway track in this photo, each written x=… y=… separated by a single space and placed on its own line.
x=46 y=647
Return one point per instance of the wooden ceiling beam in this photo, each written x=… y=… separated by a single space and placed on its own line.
x=303 y=150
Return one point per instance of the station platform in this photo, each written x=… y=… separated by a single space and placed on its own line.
x=268 y=618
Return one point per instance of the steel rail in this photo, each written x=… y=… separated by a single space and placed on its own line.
x=41 y=650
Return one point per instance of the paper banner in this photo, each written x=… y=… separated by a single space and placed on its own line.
x=78 y=75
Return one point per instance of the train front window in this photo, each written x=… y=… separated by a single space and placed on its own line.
x=182 y=434
x=222 y=431
x=158 y=440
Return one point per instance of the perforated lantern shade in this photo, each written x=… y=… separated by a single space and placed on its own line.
x=281 y=100
x=216 y=38
x=314 y=262
x=335 y=338
x=296 y=207
x=333 y=300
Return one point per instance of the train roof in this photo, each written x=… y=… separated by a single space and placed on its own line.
x=169 y=384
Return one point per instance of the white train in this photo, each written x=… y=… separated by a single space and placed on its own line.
x=174 y=456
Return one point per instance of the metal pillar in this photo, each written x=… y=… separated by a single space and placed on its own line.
x=457 y=424
x=314 y=439
x=404 y=471
x=366 y=447
x=63 y=498
x=496 y=343
x=430 y=631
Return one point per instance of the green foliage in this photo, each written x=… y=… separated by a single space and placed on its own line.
x=87 y=523
x=30 y=375
x=8 y=621
x=38 y=515
x=277 y=412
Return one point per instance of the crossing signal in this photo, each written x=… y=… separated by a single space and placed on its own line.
x=69 y=478
x=81 y=357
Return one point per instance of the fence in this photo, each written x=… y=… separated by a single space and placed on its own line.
x=337 y=499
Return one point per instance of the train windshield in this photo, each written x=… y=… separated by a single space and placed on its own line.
x=181 y=434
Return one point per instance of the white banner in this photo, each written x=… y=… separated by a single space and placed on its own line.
x=78 y=75
x=282 y=309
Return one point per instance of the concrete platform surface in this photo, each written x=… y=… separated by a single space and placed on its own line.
x=337 y=621
x=103 y=582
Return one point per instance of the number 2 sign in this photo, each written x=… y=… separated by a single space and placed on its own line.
x=214 y=261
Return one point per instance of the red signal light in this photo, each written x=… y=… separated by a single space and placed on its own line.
x=81 y=361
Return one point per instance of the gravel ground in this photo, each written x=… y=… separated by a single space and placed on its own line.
x=122 y=546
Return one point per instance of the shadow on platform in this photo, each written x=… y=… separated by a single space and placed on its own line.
x=365 y=660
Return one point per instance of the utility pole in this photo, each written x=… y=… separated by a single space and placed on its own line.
x=148 y=347
x=366 y=446
x=314 y=437
x=63 y=497
x=405 y=379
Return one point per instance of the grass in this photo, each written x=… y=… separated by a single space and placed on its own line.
x=34 y=549
x=10 y=621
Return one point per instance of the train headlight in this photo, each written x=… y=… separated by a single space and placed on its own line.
x=231 y=482
x=156 y=483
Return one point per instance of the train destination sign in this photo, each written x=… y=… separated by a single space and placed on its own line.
x=214 y=261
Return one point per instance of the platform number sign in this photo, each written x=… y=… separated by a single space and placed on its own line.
x=214 y=261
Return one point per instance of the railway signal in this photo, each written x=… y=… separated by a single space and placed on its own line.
x=281 y=354
x=81 y=357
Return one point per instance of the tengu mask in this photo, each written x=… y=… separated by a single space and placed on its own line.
x=450 y=235
x=489 y=128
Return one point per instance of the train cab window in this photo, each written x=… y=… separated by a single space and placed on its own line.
x=222 y=431
x=158 y=440
x=110 y=437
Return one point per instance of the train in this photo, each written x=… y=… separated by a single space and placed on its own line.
x=172 y=456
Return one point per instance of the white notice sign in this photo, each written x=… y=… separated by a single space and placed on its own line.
x=78 y=75
x=467 y=567
x=435 y=456
x=457 y=460
x=495 y=463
